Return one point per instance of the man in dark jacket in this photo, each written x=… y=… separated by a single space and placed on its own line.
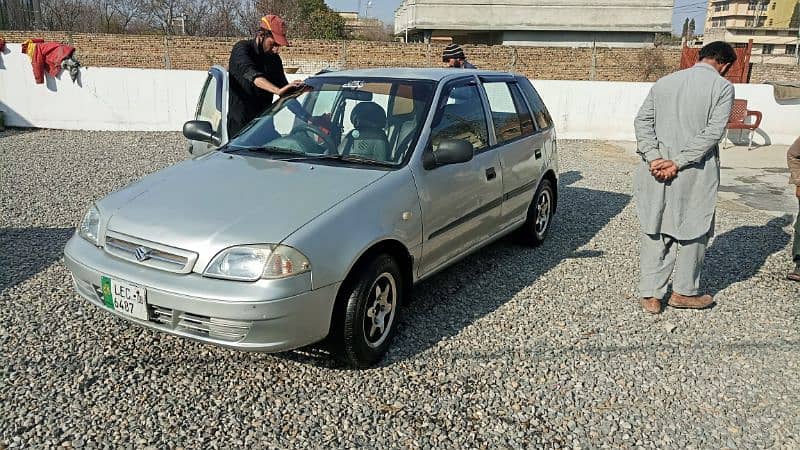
x=256 y=73
x=453 y=57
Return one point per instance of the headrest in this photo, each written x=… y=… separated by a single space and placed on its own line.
x=368 y=115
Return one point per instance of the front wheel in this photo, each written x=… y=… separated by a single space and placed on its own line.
x=370 y=306
x=540 y=215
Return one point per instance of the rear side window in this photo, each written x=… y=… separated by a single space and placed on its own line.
x=526 y=122
x=462 y=117
x=507 y=124
x=403 y=101
x=540 y=114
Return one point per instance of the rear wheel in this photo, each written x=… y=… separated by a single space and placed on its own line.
x=369 y=306
x=540 y=215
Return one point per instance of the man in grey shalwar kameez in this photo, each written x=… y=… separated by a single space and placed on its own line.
x=678 y=129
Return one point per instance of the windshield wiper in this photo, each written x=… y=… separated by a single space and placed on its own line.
x=265 y=149
x=347 y=158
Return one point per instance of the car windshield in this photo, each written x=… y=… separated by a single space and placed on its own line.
x=363 y=121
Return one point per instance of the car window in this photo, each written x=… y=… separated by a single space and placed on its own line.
x=381 y=99
x=526 y=122
x=284 y=121
x=324 y=101
x=403 y=101
x=207 y=109
x=343 y=116
x=462 y=117
x=538 y=109
x=504 y=114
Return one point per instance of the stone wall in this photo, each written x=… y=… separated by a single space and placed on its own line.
x=774 y=72
x=309 y=56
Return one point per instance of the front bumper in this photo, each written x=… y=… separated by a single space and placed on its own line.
x=267 y=315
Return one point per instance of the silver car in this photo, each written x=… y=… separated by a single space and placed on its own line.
x=316 y=220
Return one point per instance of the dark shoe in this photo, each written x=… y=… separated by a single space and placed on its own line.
x=794 y=275
x=690 y=302
x=651 y=305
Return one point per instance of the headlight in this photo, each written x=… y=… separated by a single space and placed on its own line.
x=251 y=262
x=90 y=226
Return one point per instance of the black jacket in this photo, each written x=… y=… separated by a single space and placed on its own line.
x=246 y=100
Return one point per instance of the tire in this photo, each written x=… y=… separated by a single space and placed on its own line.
x=368 y=312
x=540 y=215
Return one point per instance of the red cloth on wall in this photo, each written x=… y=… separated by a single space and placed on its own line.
x=46 y=56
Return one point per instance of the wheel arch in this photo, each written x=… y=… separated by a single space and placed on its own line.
x=391 y=247
x=553 y=178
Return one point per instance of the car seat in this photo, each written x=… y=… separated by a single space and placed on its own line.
x=368 y=137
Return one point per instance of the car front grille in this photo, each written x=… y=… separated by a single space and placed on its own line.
x=149 y=254
x=161 y=315
x=223 y=329
x=203 y=326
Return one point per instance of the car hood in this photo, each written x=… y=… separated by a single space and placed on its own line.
x=214 y=202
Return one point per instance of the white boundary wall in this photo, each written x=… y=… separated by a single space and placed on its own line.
x=605 y=110
x=153 y=100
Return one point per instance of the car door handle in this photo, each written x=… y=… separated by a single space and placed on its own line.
x=491 y=174
x=537 y=153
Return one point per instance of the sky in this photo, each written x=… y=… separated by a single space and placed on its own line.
x=693 y=9
x=384 y=10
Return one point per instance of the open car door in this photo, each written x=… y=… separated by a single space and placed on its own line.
x=209 y=129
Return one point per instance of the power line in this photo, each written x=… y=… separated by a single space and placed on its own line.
x=688 y=5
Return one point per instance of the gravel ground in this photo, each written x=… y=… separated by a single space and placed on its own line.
x=510 y=348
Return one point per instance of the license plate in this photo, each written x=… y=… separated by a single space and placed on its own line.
x=125 y=298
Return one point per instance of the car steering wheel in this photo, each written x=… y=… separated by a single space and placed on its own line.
x=331 y=146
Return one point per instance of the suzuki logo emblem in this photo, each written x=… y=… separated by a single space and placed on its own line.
x=142 y=253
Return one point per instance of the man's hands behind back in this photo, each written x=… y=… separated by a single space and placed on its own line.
x=663 y=169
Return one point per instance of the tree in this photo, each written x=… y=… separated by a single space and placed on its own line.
x=375 y=30
x=685 y=31
x=69 y=15
x=129 y=12
x=691 y=29
x=304 y=18
x=16 y=15
x=325 y=25
x=215 y=18
x=165 y=15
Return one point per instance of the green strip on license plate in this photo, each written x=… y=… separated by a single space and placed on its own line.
x=108 y=300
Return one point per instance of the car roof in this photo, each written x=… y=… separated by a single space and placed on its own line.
x=408 y=73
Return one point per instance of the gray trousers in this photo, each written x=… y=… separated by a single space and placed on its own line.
x=660 y=254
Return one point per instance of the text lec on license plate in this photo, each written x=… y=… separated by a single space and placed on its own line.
x=125 y=298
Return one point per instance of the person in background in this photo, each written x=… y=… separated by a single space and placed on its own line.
x=256 y=73
x=453 y=57
x=793 y=158
x=678 y=130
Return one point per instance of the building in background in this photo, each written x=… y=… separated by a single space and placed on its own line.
x=773 y=25
x=578 y=23
x=361 y=27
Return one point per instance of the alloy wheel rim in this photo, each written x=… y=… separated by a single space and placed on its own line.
x=381 y=308
x=543 y=208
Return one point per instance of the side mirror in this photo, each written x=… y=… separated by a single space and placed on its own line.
x=450 y=151
x=200 y=130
